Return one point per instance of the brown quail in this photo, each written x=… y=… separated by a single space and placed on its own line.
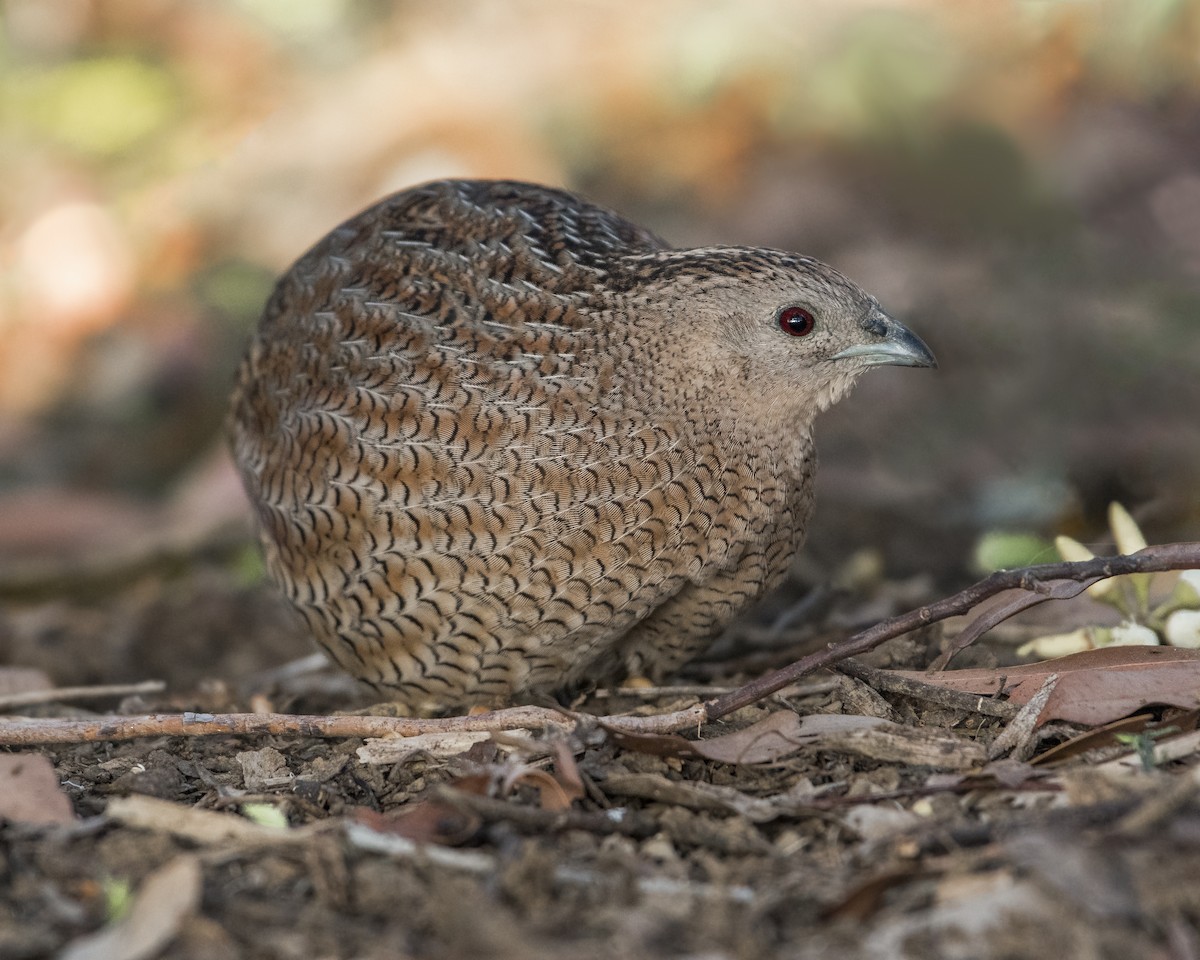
x=502 y=442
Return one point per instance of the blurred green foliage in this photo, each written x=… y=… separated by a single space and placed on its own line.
x=1005 y=550
x=235 y=289
x=102 y=106
x=886 y=72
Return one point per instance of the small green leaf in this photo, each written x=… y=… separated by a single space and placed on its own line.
x=265 y=814
x=118 y=895
x=1003 y=550
x=248 y=567
x=1143 y=743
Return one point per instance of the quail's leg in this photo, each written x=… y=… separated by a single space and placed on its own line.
x=686 y=625
x=675 y=633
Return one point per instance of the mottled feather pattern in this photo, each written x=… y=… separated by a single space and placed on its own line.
x=482 y=467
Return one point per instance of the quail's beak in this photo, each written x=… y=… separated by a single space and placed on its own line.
x=891 y=342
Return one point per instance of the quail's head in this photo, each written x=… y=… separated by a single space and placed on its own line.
x=790 y=332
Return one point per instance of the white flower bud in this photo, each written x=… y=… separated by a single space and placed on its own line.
x=1058 y=644
x=1183 y=628
x=1130 y=539
x=1133 y=635
x=1072 y=550
x=1189 y=580
x=1128 y=535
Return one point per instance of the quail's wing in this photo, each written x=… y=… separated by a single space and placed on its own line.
x=449 y=476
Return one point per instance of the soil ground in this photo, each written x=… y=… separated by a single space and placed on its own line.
x=822 y=851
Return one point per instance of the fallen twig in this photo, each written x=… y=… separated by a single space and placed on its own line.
x=1159 y=805
x=1039 y=579
x=1019 y=737
x=99 y=573
x=484 y=864
x=35 y=731
x=30 y=731
x=1006 y=608
x=887 y=682
x=60 y=694
x=203 y=827
x=630 y=823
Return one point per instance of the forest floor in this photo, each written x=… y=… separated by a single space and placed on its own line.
x=891 y=835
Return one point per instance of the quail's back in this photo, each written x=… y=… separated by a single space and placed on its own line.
x=503 y=442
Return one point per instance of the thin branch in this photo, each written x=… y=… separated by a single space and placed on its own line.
x=62 y=694
x=30 y=731
x=477 y=862
x=95 y=576
x=1158 y=559
x=628 y=823
x=1010 y=607
x=41 y=731
x=887 y=682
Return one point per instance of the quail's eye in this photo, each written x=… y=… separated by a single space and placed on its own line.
x=796 y=321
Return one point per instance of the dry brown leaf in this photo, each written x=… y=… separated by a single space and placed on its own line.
x=566 y=771
x=1095 y=739
x=163 y=903
x=783 y=733
x=655 y=744
x=29 y=790
x=771 y=739
x=768 y=741
x=426 y=821
x=435 y=745
x=866 y=898
x=1094 y=687
x=23 y=680
x=552 y=795
x=698 y=795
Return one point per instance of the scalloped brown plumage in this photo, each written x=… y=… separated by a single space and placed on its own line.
x=503 y=442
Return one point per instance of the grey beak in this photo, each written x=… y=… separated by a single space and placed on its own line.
x=896 y=345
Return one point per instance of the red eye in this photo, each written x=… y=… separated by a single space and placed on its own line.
x=796 y=321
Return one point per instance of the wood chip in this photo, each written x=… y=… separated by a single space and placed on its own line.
x=200 y=826
x=30 y=791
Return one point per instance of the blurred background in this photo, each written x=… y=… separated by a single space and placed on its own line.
x=1018 y=181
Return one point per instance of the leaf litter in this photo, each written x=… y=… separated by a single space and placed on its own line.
x=792 y=827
